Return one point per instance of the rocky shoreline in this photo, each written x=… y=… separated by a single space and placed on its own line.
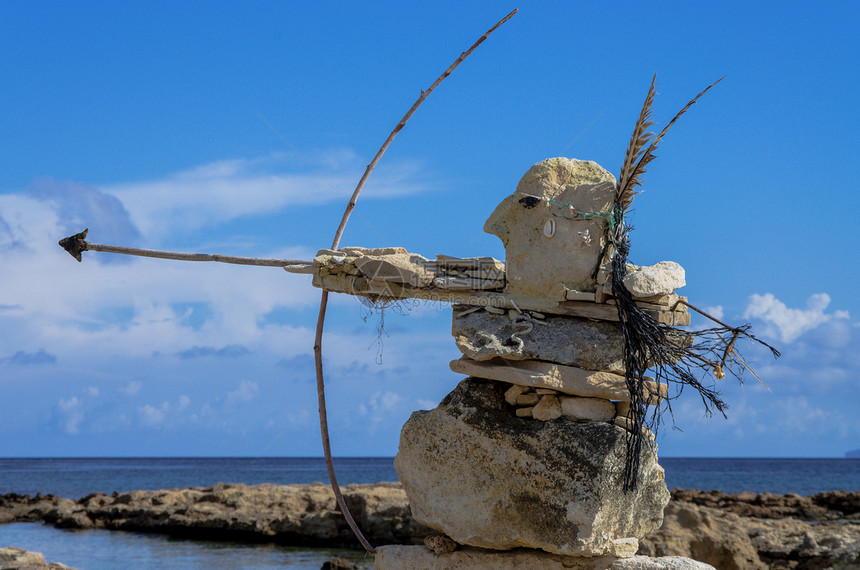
x=731 y=532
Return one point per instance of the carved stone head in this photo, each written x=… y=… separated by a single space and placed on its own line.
x=553 y=227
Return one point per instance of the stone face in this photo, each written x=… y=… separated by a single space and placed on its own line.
x=592 y=345
x=550 y=247
x=565 y=379
x=587 y=409
x=484 y=477
x=659 y=279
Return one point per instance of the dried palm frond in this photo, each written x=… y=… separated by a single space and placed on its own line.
x=636 y=160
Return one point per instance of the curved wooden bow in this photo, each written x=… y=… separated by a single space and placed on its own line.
x=324 y=298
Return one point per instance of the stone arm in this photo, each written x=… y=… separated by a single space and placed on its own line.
x=392 y=273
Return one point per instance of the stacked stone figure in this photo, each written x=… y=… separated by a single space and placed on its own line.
x=529 y=451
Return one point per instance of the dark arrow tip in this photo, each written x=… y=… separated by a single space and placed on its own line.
x=75 y=244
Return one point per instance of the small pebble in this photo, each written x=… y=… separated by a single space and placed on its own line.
x=527 y=399
x=524 y=412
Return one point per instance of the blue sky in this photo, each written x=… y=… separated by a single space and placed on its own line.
x=241 y=129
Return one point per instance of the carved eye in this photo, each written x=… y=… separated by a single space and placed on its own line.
x=549 y=228
x=529 y=202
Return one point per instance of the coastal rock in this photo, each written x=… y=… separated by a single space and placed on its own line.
x=781 y=532
x=792 y=543
x=711 y=536
x=592 y=345
x=471 y=558
x=338 y=563
x=289 y=514
x=552 y=227
x=12 y=558
x=831 y=505
x=484 y=477
x=727 y=540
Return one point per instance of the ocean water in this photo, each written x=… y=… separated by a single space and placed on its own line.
x=74 y=478
x=99 y=549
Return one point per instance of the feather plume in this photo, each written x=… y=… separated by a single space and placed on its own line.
x=630 y=172
x=638 y=141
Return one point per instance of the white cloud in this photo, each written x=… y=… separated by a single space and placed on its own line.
x=246 y=392
x=152 y=416
x=786 y=323
x=717 y=311
x=73 y=414
x=131 y=389
x=184 y=401
x=92 y=391
x=380 y=405
x=229 y=189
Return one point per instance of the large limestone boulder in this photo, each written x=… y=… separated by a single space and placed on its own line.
x=553 y=227
x=486 y=478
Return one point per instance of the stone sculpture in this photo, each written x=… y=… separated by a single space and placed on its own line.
x=529 y=451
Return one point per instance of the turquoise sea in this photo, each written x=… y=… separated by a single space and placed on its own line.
x=97 y=549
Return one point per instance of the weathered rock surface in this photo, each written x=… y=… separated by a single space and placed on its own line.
x=405 y=268
x=661 y=563
x=12 y=558
x=592 y=345
x=558 y=377
x=587 y=409
x=549 y=246
x=832 y=505
x=776 y=537
x=471 y=558
x=712 y=536
x=486 y=478
x=338 y=563
x=659 y=279
x=548 y=408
